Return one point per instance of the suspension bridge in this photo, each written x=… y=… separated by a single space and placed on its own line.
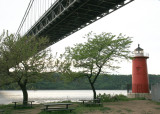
x=58 y=19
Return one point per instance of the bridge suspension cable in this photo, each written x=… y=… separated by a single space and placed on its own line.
x=35 y=9
x=58 y=19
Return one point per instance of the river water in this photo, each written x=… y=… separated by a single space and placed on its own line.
x=43 y=96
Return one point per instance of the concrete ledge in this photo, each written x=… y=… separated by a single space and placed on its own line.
x=139 y=95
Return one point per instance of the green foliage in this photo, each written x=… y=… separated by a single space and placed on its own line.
x=23 y=59
x=114 y=98
x=98 y=53
x=96 y=56
x=109 y=98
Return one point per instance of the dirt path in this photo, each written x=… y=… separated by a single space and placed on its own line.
x=125 y=107
x=131 y=107
x=134 y=107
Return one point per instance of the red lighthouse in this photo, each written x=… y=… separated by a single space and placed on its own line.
x=140 y=81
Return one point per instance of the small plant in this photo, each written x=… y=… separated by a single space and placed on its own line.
x=109 y=98
x=158 y=103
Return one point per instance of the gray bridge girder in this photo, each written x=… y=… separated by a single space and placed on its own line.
x=68 y=16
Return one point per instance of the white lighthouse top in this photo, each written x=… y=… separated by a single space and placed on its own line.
x=138 y=52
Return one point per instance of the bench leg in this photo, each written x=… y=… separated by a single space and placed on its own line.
x=31 y=104
x=15 y=105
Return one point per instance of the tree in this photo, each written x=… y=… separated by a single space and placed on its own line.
x=22 y=60
x=94 y=57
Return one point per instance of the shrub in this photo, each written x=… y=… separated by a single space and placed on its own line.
x=109 y=98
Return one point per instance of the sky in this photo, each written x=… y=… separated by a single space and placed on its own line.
x=140 y=20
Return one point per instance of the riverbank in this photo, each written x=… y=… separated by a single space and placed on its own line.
x=44 y=96
x=120 y=107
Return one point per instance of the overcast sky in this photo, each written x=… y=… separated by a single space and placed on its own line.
x=139 y=19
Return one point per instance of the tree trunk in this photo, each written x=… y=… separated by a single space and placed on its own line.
x=25 y=93
x=94 y=91
x=92 y=86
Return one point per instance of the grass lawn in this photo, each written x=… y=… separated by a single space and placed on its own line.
x=120 y=107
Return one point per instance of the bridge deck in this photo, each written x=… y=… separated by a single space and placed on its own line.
x=69 y=16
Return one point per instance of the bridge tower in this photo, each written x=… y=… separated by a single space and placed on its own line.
x=140 y=80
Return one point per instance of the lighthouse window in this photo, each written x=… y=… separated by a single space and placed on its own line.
x=141 y=51
x=138 y=51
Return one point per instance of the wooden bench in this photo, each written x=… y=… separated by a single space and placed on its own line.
x=51 y=107
x=2 y=111
x=20 y=104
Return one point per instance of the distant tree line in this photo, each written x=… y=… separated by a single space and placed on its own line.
x=104 y=82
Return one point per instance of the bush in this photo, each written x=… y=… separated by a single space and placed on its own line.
x=109 y=98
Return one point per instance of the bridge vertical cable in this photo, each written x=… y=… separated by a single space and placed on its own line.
x=64 y=17
x=35 y=9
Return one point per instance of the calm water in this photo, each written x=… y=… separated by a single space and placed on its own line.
x=43 y=96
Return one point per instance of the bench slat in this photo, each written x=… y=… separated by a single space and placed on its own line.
x=51 y=104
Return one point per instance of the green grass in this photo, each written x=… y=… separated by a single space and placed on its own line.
x=80 y=109
x=158 y=103
x=141 y=98
x=8 y=109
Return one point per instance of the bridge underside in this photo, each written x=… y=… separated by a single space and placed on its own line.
x=68 y=16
